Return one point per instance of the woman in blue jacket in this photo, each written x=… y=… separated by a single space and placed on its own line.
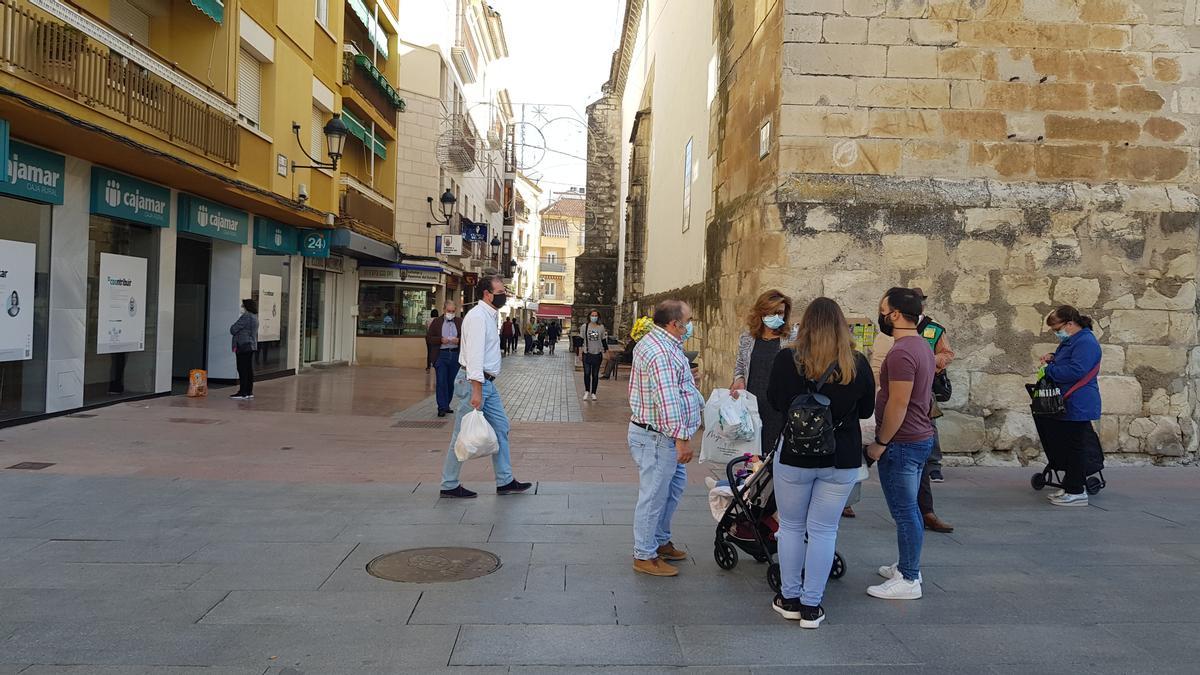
x=1075 y=366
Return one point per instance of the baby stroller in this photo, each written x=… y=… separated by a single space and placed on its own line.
x=1056 y=462
x=749 y=523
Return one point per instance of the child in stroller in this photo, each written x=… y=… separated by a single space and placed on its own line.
x=749 y=521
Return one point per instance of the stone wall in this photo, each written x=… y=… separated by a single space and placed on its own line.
x=1007 y=157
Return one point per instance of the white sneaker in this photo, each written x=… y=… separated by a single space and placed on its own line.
x=593 y=397
x=1065 y=499
x=1056 y=494
x=896 y=588
x=893 y=572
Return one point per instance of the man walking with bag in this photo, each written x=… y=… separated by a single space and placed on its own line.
x=665 y=405
x=475 y=389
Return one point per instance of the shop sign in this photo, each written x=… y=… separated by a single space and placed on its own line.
x=275 y=238
x=270 y=294
x=121 y=304
x=314 y=244
x=17 y=268
x=398 y=275
x=449 y=244
x=34 y=174
x=334 y=263
x=474 y=231
x=120 y=196
x=471 y=279
x=210 y=219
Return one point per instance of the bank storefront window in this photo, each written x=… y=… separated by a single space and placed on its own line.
x=393 y=310
x=24 y=306
x=122 y=311
x=274 y=243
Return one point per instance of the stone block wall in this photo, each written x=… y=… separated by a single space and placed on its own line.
x=596 y=266
x=1006 y=156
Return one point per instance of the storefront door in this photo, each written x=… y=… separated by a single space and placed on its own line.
x=193 y=260
x=312 y=332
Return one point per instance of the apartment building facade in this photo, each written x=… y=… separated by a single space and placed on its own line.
x=168 y=158
x=561 y=241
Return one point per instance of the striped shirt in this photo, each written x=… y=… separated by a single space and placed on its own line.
x=662 y=391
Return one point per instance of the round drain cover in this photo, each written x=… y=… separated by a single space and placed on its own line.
x=433 y=565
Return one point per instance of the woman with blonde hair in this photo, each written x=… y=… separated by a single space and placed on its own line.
x=757 y=347
x=811 y=489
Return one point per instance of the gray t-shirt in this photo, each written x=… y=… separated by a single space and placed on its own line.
x=593 y=335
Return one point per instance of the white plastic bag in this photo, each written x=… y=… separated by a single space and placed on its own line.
x=733 y=420
x=714 y=446
x=476 y=438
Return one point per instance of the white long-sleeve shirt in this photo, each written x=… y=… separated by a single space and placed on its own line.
x=479 y=351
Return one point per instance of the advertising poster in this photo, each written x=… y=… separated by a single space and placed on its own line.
x=121 y=321
x=270 y=309
x=17 y=268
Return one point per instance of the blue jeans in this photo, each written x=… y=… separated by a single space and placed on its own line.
x=810 y=502
x=447 y=368
x=900 y=470
x=493 y=411
x=661 y=479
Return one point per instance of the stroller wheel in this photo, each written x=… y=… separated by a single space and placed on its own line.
x=725 y=555
x=839 y=567
x=774 y=580
x=1038 y=481
x=1094 y=485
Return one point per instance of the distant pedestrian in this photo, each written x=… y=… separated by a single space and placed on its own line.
x=811 y=490
x=529 y=332
x=541 y=338
x=245 y=343
x=444 y=335
x=595 y=343
x=760 y=342
x=553 y=332
x=475 y=389
x=903 y=436
x=1074 y=367
x=506 y=335
x=516 y=336
x=665 y=405
x=431 y=353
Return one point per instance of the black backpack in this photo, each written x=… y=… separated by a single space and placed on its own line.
x=808 y=428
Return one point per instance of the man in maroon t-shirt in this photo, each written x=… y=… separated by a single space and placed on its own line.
x=903 y=436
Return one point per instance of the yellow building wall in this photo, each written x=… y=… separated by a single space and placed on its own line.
x=299 y=22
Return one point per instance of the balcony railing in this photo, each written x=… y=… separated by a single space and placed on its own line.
x=367 y=212
x=358 y=72
x=495 y=197
x=553 y=267
x=62 y=58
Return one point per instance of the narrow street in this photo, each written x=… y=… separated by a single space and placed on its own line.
x=235 y=536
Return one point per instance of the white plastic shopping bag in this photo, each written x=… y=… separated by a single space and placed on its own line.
x=715 y=446
x=733 y=419
x=476 y=438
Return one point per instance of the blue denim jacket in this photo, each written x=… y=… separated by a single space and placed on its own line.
x=1073 y=360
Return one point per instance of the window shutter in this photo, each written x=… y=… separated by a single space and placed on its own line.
x=317 y=146
x=249 y=100
x=130 y=20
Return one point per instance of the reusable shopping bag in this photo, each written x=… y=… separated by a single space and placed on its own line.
x=714 y=446
x=476 y=438
x=733 y=418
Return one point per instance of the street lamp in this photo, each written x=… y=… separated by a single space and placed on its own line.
x=447 y=204
x=336 y=132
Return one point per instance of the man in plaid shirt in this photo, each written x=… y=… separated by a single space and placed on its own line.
x=665 y=406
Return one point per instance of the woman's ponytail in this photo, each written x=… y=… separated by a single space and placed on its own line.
x=1068 y=314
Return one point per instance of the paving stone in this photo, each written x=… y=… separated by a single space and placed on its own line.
x=531 y=607
x=100 y=575
x=267 y=553
x=566 y=645
x=416 y=536
x=785 y=645
x=140 y=670
x=95 y=605
x=300 y=607
x=546 y=578
x=120 y=551
x=983 y=644
x=564 y=534
x=352 y=575
x=275 y=576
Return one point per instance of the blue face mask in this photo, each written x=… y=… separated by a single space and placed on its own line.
x=1062 y=335
x=687 y=333
x=774 y=321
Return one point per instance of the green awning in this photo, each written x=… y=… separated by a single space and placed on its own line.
x=381 y=83
x=367 y=17
x=214 y=9
x=362 y=133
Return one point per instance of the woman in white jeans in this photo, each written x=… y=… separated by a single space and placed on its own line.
x=811 y=490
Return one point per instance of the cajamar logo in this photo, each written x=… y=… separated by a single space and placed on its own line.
x=112 y=193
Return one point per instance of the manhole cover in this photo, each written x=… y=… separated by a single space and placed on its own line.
x=433 y=565
x=32 y=466
x=419 y=425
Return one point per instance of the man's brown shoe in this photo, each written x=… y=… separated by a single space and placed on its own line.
x=932 y=522
x=668 y=552
x=654 y=567
x=848 y=512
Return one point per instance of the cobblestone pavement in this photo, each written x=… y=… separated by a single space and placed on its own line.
x=533 y=388
x=207 y=536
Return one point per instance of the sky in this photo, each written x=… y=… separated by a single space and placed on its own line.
x=559 y=56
